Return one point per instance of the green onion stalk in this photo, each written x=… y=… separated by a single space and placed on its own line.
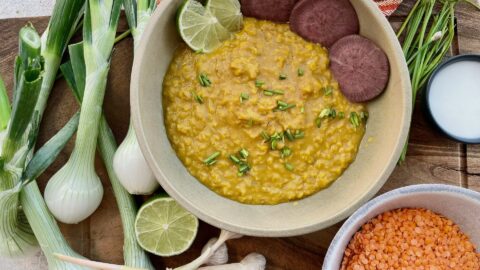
x=34 y=74
x=134 y=255
x=129 y=163
x=75 y=191
x=427 y=40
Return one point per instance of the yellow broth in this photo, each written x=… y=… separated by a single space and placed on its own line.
x=235 y=110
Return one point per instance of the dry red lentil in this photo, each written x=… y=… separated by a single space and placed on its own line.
x=407 y=239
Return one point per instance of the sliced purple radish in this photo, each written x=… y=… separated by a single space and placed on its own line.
x=272 y=10
x=324 y=21
x=360 y=67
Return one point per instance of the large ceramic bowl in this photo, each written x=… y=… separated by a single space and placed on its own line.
x=379 y=151
x=460 y=205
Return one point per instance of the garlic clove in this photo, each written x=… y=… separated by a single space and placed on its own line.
x=220 y=256
x=254 y=261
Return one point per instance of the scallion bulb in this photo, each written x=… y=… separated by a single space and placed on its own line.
x=131 y=167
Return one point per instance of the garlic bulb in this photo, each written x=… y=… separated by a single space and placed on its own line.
x=252 y=261
x=131 y=167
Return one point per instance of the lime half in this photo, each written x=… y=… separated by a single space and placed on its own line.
x=199 y=28
x=164 y=228
x=227 y=12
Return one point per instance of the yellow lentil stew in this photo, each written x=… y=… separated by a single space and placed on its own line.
x=261 y=120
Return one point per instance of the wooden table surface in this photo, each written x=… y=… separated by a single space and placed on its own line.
x=432 y=158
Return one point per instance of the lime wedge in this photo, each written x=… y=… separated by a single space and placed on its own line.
x=164 y=228
x=227 y=12
x=199 y=28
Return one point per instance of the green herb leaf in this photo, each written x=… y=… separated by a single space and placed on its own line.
x=328 y=113
x=289 y=135
x=265 y=136
x=282 y=77
x=299 y=134
x=283 y=106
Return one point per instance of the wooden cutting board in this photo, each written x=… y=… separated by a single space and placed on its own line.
x=432 y=157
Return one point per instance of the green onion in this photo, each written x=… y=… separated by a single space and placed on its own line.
x=285 y=152
x=62 y=25
x=300 y=72
x=243 y=153
x=134 y=255
x=265 y=136
x=302 y=109
x=197 y=98
x=234 y=159
x=271 y=92
x=427 y=37
x=259 y=83
x=328 y=90
x=244 y=97
x=354 y=119
x=318 y=122
x=211 y=159
x=282 y=77
x=327 y=113
x=100 y=24
x=283 y=106
x=243 y=169
x=204 y=80
x=289 y=135
x=299 y=134
x=289 y=166
x=5 y=109
x=341 y=115
x=363 y=116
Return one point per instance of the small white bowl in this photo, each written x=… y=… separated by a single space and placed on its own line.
x=460 y=205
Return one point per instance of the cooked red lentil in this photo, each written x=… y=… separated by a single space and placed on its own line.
x=410 y=239
x=271 y=95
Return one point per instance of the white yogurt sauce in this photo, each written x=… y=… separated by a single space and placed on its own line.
x=454 y=100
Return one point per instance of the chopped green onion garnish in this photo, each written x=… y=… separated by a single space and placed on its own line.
x=328 y=90
x=354 y=119
x=265 y=136
x=243 y=97
x=234 y=159
x=289 y=166
x=283 y=106
x=300 y=72
x=363 y=116
x=328 y=112
x=341 y=115
x=282 y=77
x=273 y=144
x=211 y=159
x=197 y=98
x=318 y=122
x=259 y=83
x=243 y=153
x=286 y=152
x=271 y=92
x=302 y=109
x=289 y=135
x=299 y=134
x=244 y=168
x=204 y=80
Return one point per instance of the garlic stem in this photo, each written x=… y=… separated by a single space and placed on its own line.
x=205 y=256
x=219 y=256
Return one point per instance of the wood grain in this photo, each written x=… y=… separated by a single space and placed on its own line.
x=432 y=158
